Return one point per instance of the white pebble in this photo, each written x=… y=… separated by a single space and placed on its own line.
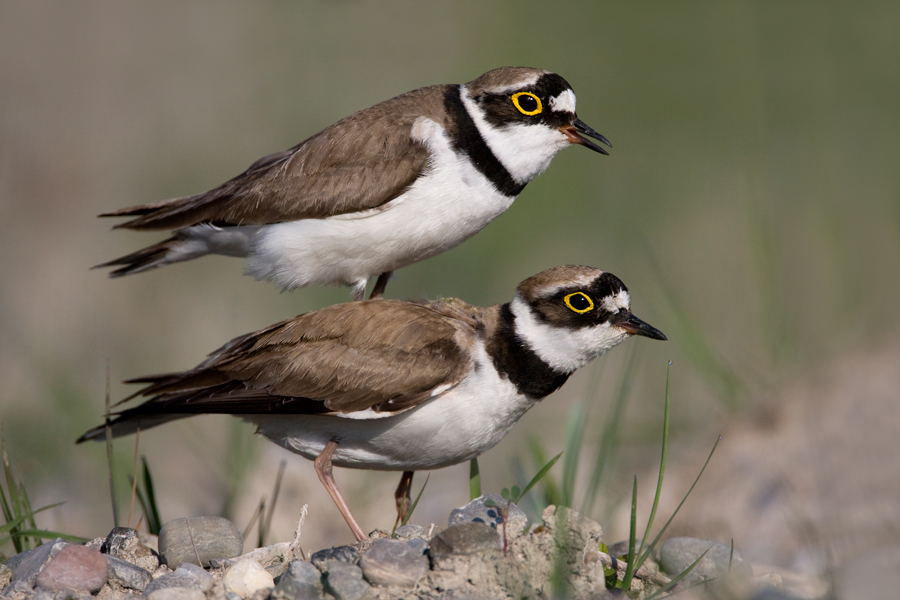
x=247 y=577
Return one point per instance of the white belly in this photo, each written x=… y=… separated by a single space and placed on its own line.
x=461 y=424
x=441 y=210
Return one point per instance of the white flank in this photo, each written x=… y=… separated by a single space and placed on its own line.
x=442 y=209
x=564 y=349
x=460 y=424
x=565 y=102
x=525 y=150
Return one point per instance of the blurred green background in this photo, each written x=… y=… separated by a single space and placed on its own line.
x=751 y=203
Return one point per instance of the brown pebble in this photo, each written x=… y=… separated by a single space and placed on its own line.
x=77 y=568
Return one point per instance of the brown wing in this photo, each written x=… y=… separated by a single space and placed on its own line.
x=387 y=355
x=363 y=161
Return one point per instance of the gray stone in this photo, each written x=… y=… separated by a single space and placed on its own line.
x=126 y=574
x=410 y=532
x=185 y=576
x=677 y=554
x=477 y=511
x=300 y=581
x=345 y=582
x=467 y=538
x=197 y=540
x=176 y=593
x=125 y=543
x=74 y=568
x=393 y=562
x=344 y=554
x=204 y=580
x=26 y=565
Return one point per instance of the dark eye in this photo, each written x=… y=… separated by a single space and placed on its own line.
x=527 y=103
x=579 y=302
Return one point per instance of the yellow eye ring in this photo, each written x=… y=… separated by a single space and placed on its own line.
x=515 y=99
x=579 y=295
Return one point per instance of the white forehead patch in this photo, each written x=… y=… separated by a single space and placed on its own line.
x=621 y=301
x=518 y=84
x=565 y=102
x=584 y=280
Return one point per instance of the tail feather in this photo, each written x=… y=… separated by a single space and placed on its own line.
x=149 y=258
x=126 y=424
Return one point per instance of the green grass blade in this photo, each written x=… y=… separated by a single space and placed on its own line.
x=266 y=525
x=609 y=437
x=551 y=493
x=574 y=443
x=474 y=479
x=662 y=470
x=148 y=500
x=540 y=475
x=632 y=535
x=683 y=500
x=416 y=501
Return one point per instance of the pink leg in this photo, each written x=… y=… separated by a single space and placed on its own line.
x=323 y=470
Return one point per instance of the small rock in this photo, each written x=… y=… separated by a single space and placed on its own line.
x=176 y=593
x=467 y=538
x=5 y=576
x=125 y=543
x=620 y=549
x=185 y=576
x=345 y=582
x=410 y=532
x=199 y=538
x=300 y=581
x=26 y=565
x=677 y=554
x=126 y=574
x=393 y=562
x=74 y=568
x=477 y=511
x=204 y=581
x=344 y=554
x=247 y=577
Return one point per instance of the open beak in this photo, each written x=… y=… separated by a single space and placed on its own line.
x=576 y=132
x=635 y=326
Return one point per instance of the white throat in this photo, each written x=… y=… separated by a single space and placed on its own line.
x=566 y=350
x=525 y=150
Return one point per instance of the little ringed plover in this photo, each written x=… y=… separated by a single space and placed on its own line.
x=383 y=188
x=399 y=386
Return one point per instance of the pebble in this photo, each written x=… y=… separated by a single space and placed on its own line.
x=176 y=593
x=477 y=511
x=300 y=581
x=26 y=565
x=394 y=562
x=410 y=532
x=467 y=538
x=246 y=578
x=125 y=543
x=185 y=576
x=5 y=575
x=76 y=568
x=677 y=554
x=186 y=539
x=345 y=582
x=126 y=574
x=344 y=554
